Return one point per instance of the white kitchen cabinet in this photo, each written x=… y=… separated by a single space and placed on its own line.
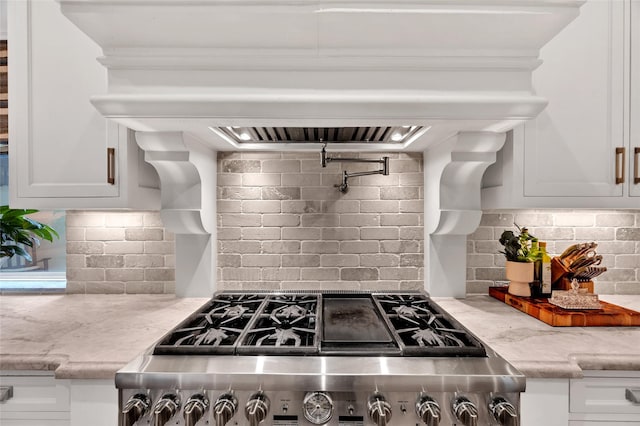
x=599 y=398
x=580 y=151
x=545 y=402
x=62 y=152
x=38 y=399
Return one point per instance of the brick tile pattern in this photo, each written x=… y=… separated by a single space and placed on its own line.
x=283 y=225
x=616 y=232
x=119 y=252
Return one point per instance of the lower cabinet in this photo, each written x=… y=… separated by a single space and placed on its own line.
x=38 y=399
x=545 y=402
x=603 y=398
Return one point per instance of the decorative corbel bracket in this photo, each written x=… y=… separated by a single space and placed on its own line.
x=452 y=209
x=187 y=172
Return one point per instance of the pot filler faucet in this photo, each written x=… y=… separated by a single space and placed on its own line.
x=344 y=186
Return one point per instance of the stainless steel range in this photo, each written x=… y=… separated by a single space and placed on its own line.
x=319 y=358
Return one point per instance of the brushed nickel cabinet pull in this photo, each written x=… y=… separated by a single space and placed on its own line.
x=620 y=169
x=111 y=166
x=6 y=393
x=633 y=396
x=636 y=165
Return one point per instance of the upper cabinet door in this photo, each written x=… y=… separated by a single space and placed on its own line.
x=570 y=149
x=634 y=111
x=62 y=152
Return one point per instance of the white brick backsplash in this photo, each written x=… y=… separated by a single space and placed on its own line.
x=320 y=247
x=380 y=206
x=618 y=219
x=281 y=220
x=261 y=179
x=320 y=220
x=379 y=260
x=250 y=260
x=300 y=234
x=229 y=206
x=574 y=219
x=238 y=193
x=294 y=230
x=616 y=233
x=280 y=247
x=281 y=166
x=300 y=260
x=261 y=206
x=320 y=274
x=272 y=233
x=339 y=260
x=104 y=234
x=115 y=252
x=301 y=179
x=358 y=247
x=340 y=234
x=359 y=220
x=145 y=234
x=399 y=220
x=241 y=220
x=379 y=233
x=124 y=274
x=280 y=274
x=341 y=206
x=124 y=220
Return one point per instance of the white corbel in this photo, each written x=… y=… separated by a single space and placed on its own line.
x=453 y=172
x=187 y=171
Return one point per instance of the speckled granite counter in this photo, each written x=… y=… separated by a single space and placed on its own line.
x=92 y=336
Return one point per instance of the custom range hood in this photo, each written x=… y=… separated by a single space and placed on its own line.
x=192 y=77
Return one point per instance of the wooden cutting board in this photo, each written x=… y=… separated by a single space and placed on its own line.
x=609 y=316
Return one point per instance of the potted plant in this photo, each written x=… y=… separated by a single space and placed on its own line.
x=18 y=230
x=520 y=260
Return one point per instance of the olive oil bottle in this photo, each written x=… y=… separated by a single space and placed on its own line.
x=545 y=269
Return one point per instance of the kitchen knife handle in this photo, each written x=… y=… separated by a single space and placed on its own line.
x=636 y=165
x=620 y=165
x=111 y=166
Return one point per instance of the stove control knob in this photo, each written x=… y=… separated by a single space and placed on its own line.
x=379 y=409
x=136 y=407
x=465 y=411
x=428 y=410
x=257 y=408
x=165 y=409
x=503 y=411
x=225 y=407
x=194 y=409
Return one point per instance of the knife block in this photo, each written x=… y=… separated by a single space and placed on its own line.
x=561 y=277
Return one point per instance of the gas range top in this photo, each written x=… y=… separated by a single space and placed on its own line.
x=316 y=323
x=304 y=358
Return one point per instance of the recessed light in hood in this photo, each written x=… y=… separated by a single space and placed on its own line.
x=379 y=134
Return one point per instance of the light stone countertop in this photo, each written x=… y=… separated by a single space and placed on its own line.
x=92 y=336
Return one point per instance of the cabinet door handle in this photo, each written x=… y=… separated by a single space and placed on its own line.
x=6 y=393
x=111 y=166
x=620 y=169
x=632 y=395
x=636 y=165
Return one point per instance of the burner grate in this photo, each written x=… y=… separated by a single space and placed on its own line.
x=425 y=330
x=287 y=324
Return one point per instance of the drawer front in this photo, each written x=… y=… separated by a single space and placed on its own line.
x=603 y=395
x=35 y=394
